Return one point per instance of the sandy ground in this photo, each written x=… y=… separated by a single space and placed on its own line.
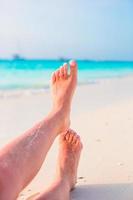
x=103 y=115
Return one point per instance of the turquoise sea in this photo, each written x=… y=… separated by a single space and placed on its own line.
x=35 y=74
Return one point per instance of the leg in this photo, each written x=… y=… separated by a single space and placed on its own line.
x=21 y=159
x=66 y=173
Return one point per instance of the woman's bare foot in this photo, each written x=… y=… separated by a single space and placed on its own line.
x=69 y=155
x=63 y=86
x=66 y=174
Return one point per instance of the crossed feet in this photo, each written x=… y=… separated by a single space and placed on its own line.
x=63 y=86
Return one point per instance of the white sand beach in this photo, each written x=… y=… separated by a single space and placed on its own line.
x=103 y=116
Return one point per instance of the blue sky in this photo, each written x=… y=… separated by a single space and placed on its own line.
x=87 y=29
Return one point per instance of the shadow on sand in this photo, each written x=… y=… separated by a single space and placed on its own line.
x=103 y=192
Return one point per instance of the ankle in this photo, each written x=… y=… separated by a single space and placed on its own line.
x=63 y=183
x=61 y=118
x=64 y=109
x=61 y=111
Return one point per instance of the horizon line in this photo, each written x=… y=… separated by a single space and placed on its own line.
x=63 y=59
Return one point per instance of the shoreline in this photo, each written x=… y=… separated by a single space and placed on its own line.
x=19 y=92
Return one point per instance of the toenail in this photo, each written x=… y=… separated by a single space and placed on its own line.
x=64 y=64
x=72 y=62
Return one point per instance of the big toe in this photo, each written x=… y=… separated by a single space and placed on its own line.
x=73 y=68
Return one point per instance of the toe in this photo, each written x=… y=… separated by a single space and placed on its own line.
x=65 y=68
x=67 y=136
x=53 y=77
x=70 y=138
x=77 y=141
x=57 y=75
x=76 y=137
x=73 y=67
x=61 y=72
x=73 y=135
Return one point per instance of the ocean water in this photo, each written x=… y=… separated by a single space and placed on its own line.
x=35 y=74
